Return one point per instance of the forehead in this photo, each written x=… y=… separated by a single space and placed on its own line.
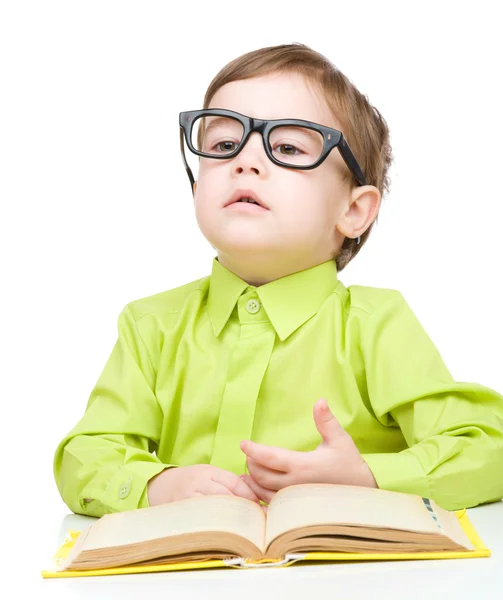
x=276 y=96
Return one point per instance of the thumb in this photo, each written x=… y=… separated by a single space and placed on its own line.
x=327 y=425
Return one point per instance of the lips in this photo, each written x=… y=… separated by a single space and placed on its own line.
x=238 y=194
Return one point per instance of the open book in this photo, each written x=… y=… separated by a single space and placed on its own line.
x=300 y=519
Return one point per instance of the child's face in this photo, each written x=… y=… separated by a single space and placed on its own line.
x=309 y=211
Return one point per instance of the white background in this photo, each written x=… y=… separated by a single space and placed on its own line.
x=96 y=208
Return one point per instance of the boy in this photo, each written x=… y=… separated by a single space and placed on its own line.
x=332 y=384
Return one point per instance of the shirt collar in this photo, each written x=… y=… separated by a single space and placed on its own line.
x=289 y=301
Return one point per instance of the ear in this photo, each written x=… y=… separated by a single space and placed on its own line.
x=194 y=192
x=363 y=208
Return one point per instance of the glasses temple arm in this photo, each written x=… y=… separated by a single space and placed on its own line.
x=187 y=168
x=351 y=162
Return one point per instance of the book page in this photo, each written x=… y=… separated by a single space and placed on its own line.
x=318 y=504
x=229 y=514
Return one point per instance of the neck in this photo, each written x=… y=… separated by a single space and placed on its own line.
x=256 y=271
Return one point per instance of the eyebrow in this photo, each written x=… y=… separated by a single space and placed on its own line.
x=215 y=122
x=312 y=133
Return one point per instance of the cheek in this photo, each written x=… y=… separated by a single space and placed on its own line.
x=210 y=172
x=203 y=210
x=330 y=196
x=202 y=202
x=211 y=188
x=308 y=200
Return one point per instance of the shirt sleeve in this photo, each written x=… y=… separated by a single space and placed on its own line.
x=104 y=464
x=454 y=430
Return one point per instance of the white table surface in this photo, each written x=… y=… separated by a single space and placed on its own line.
x=428 y=579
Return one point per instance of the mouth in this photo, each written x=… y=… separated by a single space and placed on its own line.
x=246 y=199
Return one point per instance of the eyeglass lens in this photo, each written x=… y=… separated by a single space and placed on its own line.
x=293 y=145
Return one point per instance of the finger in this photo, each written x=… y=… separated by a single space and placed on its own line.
x=234 y=484
x=278 y=459
x=210 y=487
x=266 y=478
x=245 y=491
x=327 y=425
x=264 y=494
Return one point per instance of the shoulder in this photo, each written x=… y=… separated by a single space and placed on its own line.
x=168 y=302
x=368 y=300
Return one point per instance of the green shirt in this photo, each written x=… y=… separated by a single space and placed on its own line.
x=198 y=368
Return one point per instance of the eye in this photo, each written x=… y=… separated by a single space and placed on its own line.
x=226 y=146
x=289 y=149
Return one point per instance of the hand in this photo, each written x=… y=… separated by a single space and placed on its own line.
x=335 y=460
x=178 y=483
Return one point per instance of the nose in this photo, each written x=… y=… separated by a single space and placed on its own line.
x=252 y=157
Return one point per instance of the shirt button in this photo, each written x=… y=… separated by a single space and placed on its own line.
x=253 y=306
x=125 y=489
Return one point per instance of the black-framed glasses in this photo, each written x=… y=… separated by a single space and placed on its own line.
x=292 y=143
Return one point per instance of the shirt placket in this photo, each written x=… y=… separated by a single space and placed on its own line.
x=249 y=360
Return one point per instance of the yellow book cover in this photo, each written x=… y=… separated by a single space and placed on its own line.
x=311 y=522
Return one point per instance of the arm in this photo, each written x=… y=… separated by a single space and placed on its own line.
x=104 y=464
x=454 y=430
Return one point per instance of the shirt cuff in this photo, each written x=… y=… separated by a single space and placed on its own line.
x=127 y=489
x=143 y=502
x=398 y=472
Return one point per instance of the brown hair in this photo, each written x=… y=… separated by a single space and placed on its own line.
x=363 y=126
